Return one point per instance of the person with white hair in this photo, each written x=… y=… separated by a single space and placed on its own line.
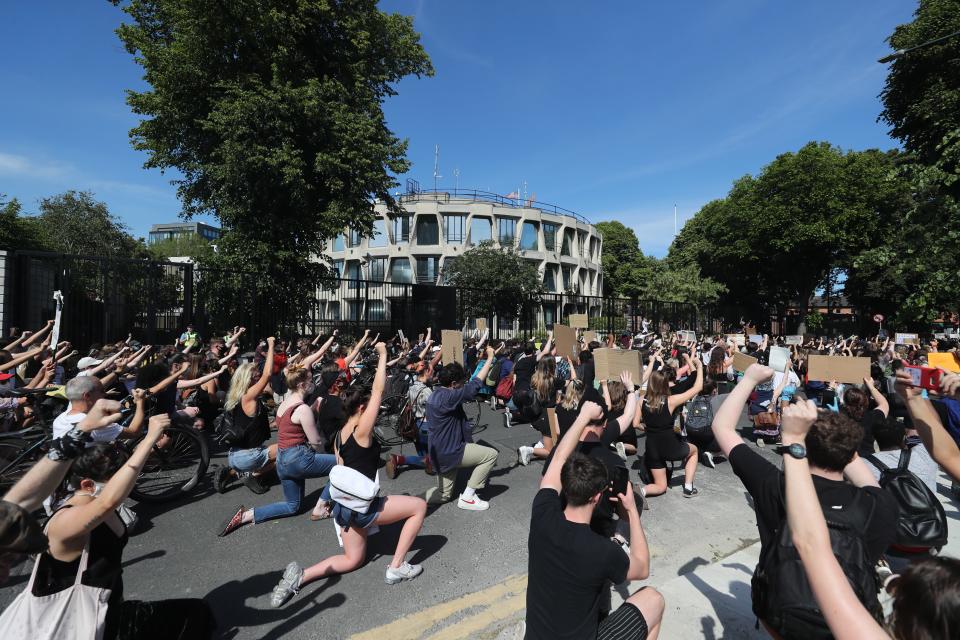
x=83 y=392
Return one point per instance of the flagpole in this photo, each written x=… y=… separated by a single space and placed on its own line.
x=674 y=219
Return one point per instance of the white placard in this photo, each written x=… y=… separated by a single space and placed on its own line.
x=779 y=357
x=797 y=340
x=907 y=338
x=55 y=333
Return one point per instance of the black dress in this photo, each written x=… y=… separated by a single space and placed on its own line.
x=663 y=443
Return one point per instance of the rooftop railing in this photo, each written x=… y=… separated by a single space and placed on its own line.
x=446 y=195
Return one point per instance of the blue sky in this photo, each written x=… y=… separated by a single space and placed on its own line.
x=617 y=110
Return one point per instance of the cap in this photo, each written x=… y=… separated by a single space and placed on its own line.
x=88 y=362
x=19 y=531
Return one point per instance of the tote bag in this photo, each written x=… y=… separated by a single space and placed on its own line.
x=76 y=613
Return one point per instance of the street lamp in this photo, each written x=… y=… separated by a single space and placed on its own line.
x=901 y=52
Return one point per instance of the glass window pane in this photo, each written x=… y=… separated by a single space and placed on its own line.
x=338 y=242
x=506 y=230
x=549 y=236
x=427 y=268
x=337 y=266
x=480 y=230
x=565 y=248
x=528 y=238
x=379 y=237
x=377 y=269
x=549 y=279
x=454 y=228
x=428 y=232
x=401 y=229
x=375 y=310
x=400 y=270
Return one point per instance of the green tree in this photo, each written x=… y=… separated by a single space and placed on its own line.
x=272 y=113
x=191 y=246
x=76 y=223
x=17 y=231
x=921 y=97
x=501 y=279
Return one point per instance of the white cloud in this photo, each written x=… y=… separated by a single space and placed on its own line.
x=17 y=165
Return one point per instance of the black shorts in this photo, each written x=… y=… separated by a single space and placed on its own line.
x=662 y=447
x=626 y=623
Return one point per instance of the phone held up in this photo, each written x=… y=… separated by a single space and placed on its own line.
x=924 y=377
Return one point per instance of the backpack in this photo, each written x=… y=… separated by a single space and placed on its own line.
x=407 y=421
x=494 y=376
x=780 y=591
x=504 y=389
x=397 y=385
x=699 y=415
x=352 y=489
x=922 y=521
x=226 y=429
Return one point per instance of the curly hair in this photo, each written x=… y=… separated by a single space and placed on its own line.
x=832 y=440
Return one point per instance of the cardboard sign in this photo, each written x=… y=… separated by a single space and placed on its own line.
x=797 y=340
x=590 y=336
x=741 y=361
x=610 y=363
x=779 y=357
x=565 y=339
x=756 y=338
x=481 y=324
x=839 y=368
x=907 y=338
x=553 y=424
x=451 y=343
x=737 y=338
x=578 y=320
x=687 y=336
x=949 y=361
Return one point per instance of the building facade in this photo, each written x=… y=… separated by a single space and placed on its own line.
x=171 y=230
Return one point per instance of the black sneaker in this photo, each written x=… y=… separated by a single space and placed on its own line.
x=691 y=493
x=253 y=483
x=222 y=478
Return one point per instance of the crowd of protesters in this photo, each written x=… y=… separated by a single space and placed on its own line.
x=851 y=511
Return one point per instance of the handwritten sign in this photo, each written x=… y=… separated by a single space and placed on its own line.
x=797 y=340
x=741 y=361
x=907 y=338
x=610 y=363
x=452 y=346
x=737 y=338
x=579 y=321
x=839 y=368
x=565 y=338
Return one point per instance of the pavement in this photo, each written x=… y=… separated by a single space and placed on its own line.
x=703 y=551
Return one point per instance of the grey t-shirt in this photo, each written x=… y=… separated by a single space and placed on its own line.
x=921 y=465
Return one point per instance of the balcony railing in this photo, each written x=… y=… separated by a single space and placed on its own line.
x=446 y=195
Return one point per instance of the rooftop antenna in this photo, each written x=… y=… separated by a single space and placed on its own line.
x=436 y=166
x=456 y=175
x=674 y=219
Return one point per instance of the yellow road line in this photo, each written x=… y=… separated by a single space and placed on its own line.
x=509 y=597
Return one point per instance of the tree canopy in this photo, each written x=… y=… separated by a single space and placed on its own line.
x=506 y=279
x=76 y=223
x=271 y=111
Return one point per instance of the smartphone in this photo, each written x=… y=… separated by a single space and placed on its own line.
x=924 y=377
x=620 y=479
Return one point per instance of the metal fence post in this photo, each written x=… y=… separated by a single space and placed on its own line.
x=188 y=292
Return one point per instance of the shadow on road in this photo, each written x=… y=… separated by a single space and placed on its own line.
x=385 y=543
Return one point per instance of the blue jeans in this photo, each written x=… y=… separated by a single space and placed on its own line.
x=294 y=465
x=419 y=460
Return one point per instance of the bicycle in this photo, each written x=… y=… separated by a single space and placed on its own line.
x=385 y=429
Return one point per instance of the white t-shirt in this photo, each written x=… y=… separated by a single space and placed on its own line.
x=66 y=421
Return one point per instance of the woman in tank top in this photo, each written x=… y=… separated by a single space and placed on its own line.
x=299 y=454
x=358 y=449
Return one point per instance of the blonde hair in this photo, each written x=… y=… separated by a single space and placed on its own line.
x=239 y=384
x=296 y=375
x=572 y=394
x=542 y=380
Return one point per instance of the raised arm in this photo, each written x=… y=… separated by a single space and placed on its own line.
x=312 y=358
x=680 y=399
x=725 y=422
x=938 y=442
x=878 y=397
x=139 y=356
x=426 y=348
x=232 y=340
x=196 y=382
x=369 y=416
x=485 y=369
x=256 y=389
x=630 y=408
x=19 y=359
x=589 y=412
x=225 y=359
x=845 y=615
x=547 y=346
x=39 y=335
x=139 y=416
x=356 y=348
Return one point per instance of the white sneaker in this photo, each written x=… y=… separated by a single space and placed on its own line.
x=506 y=419
x=473 y=504
x=708 y=460
x=539 y=445
x=524 y=454
x=406 y=571
x=621 y=451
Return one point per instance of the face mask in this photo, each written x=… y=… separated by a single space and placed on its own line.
x=97 y=488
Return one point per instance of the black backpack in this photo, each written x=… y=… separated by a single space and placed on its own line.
x=699 y=415
x=781 y=594
x=226 y=429
x=494 y=376
x=922 y=521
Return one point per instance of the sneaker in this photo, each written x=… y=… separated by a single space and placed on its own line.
x=524 y=454
x=288 y=586
x=473 y=504
x=222 y=478
x=233 y=523
x=621 y=450
x=406 y=571
x=707 y=459
x=761 y=443
x=392 y=464
x=506 y=419
x=253 y=483
x=622 y=543
x=690 y=493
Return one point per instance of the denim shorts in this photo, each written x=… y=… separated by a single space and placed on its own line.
x=346 y=517
x=248 y=459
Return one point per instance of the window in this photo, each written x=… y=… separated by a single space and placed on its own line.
x=401 y=229
x=375 y=310
x=566 y=278
x=506 y=230
x=333 y=311
x=549 y=236
x=338 y=242
x=400 y=270
x=549 y=280
x=337 y=266
x=354 y=310
x=427 y=230
x=480 y=230
x=565 y=248
x=427 y=268
x=354 y=238
x=353 y=273
x=455 y=227
x=379 y=237
x=584 y=245
x=377 y=268
x=528 y=237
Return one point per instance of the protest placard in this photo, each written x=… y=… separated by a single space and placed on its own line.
x=687 y=336
x=737 y=338
x=452 y=346
x=797 y=340
x=779 y=357
x=565 y=339
x=609 y=363
x=907 y=338
x=839 y=368
x=949 y=361
x=589 y=336
x=481 y=324
x=741 y=361
x=578 y=320
x=755 y=338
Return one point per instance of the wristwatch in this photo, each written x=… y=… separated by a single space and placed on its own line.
x=794 y=450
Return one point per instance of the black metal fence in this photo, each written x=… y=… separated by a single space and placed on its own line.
x=106 y=298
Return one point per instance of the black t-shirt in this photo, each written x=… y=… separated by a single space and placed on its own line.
x=569 y=567
x=764 y=482
x=588 y=373
x=523 y=368
x=868 y=421
x=599 y=449
x=331 y=417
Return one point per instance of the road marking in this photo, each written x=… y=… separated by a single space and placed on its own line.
x=509 y=597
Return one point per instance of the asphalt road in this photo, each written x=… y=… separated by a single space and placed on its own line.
x=474 y=563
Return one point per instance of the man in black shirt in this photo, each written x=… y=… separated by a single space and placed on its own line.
x=570 y=565
x=831 y=447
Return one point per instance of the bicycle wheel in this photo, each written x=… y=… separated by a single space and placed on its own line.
x=13 y=464
x=385 y=428
x=174 y=467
